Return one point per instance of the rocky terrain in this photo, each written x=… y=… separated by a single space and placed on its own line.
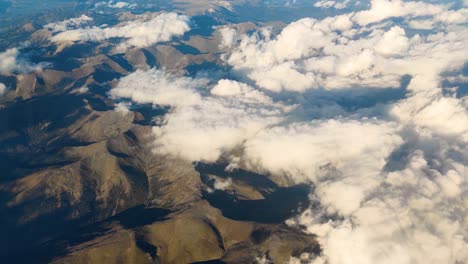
x=80 y=181
x=88 y=189
x=233 y=131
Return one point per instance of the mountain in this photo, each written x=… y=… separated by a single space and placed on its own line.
x=81 y=182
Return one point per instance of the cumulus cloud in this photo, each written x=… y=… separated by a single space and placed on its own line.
x=383 y=9
x=137 y=33
x=438 y=114
x=11 y=62
x=337 y=53
x=8 y=61
x=388 y=182
x=414 y=215
x=122 y=108
x=118 y=4
x=2 y=88
x=158 y=88
x=228 y=37
x=200 y=127
x=69 y=24
x=222 y=185
x=314 y=149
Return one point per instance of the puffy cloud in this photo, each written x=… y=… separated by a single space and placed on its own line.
x=338 y=53
x=388 y=181
x=315 y=148
x=158 y=88
x=118 y=4
x=200 y=127
x=2 y=88
x=414 y=213
x=446 y=17
x=137 y=33
x=380 y=215
x=440 y=115
x=383 y=9
x=10 y=62
x=285 y=76
x=228 y=37
x=122 y=108
x=69 y=24
x=393 y=42
x=222 y=185
x=215 y=126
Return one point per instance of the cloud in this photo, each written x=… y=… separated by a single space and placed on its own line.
x=222 y=185
x=69 y=24
x=438 y=114
x=414 y=213
x=388 y=179
x=114 y=4
x=315 y=147
x=383 y=9
x=122 y=108
x=393 y=42
x=118 y=4
x=137 y=33
x=11 y=62
x=2 y=88
x=8 y=61
x=333 y=4
x=228 y=37
x=200 y=127
x=337 y=53
x=158 y=88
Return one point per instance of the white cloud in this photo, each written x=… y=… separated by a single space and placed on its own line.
x=337 y=53
x=216 y=125
x=440 y=115
x=228 y=37
x=446 y=17
x=200 y=127
x=118 y=4
x=69 y=24
x=81 y=90
x=158 y=88
x=115 y=4
x=122 y=108
x=414 y=213
x=10 y=62
x=421 y=24
x=285 y=76
x=383 y=9
x=222 y=185
x=393 y=42
x=313 y=147
x=389 y=181
x=2 y=88
x=137 y=33
x=333 y=4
